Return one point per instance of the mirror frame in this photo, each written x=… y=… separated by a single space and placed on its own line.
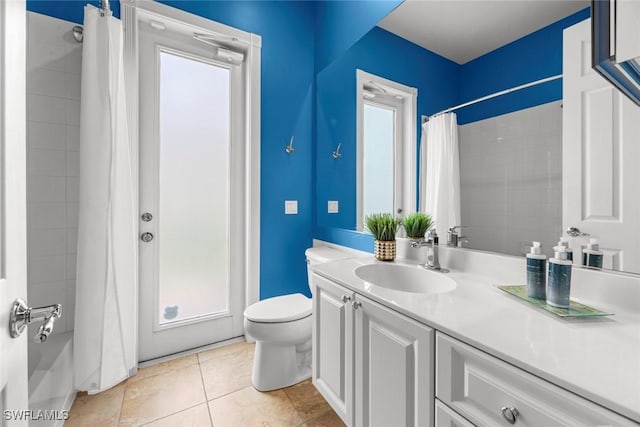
x=623 y=75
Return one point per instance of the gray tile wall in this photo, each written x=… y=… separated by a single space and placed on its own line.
x=511 y=180
x=54 y=61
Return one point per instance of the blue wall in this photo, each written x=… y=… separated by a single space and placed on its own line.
x=287 y=30
x=530 y=58
x=386 y=55
x=339 y=24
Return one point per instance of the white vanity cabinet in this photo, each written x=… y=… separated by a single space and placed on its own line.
x=373 y=365
x=489 y=392
x=332 y=348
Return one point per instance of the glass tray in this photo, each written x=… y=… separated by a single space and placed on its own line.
x=575 y=308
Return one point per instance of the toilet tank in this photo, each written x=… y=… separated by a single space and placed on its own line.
x=322 y=254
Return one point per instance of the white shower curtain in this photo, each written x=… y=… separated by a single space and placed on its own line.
x=105 y=314
x=440 y=171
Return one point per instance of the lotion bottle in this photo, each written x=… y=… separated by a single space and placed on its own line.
x=565 y=243
x=536 y=272
x=559 y=278
x=592 y=255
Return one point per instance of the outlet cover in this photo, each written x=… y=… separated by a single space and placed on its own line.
x=332 y=206
x=290 y=207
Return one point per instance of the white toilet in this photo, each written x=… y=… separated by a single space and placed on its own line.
x=281 y=327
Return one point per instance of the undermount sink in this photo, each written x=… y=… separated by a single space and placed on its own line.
x=406 y=278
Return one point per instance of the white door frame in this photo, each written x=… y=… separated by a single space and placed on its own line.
x=13 y=209
x=132 y=11
x=405 y=151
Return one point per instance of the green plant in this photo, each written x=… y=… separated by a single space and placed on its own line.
x=417 y=224
x=382 y=226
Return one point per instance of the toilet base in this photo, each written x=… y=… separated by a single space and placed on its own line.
x=277 y=366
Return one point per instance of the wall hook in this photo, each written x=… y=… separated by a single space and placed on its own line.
x=289 y=148
x=336 y=154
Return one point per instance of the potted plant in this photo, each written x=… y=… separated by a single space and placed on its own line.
x=384 y=228
x=416 y=225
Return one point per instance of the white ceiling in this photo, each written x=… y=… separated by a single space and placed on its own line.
x=462 y=30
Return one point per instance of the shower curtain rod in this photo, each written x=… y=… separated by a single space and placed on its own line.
x=494 y=95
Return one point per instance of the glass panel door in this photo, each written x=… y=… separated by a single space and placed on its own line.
x=193 y=216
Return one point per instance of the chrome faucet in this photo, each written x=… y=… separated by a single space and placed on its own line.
x=433 y=262
x=453 y=238
x=22 y=315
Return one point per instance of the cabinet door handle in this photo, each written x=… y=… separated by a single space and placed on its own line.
x=356 y=304
x=345 y=298
x=510 y=414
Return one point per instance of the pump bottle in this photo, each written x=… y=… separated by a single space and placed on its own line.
x=559 y=278
x=536 y=272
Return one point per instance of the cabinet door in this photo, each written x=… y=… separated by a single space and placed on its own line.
x=394 y=369
x=446 y=417
x=333 y=346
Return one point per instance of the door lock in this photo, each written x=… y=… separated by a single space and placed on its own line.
x=146 y=237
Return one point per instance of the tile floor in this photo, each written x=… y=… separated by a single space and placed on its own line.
x=211 y=388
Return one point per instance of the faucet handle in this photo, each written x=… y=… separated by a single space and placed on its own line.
x=453 y=229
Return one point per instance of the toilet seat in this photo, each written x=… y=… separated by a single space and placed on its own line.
x=285 y=308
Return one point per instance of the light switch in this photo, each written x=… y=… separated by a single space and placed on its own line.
x=290 y=207
x=332 y=206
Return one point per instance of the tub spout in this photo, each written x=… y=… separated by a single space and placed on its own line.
x=45 y=329
x=22 y=315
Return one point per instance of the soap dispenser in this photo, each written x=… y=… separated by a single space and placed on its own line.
x=559 y=278
x=536 y=272
x=565 y=243
x=592 y=255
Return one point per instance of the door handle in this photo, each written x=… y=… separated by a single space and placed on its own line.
x=146 y=237
x=575 y=232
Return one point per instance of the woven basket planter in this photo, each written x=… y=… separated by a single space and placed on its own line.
x=385 y=250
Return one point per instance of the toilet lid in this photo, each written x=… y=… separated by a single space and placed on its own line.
x=286 y=308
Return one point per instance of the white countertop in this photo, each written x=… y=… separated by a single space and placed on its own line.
x=597 y=358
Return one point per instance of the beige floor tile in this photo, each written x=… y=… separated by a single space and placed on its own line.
x=225 y=350
x=308 y=402
x=249 y=407
x=160 y=395
x=228 y=372
x=165 y=367
x=102 y=409
x=328 y=419
x=197 y=416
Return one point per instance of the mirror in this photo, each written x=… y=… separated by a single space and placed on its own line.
x=530 y=153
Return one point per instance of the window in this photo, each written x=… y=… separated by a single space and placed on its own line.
x=386 y=135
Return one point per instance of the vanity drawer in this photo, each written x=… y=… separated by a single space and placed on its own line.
x=487 y=391
x=445 y=417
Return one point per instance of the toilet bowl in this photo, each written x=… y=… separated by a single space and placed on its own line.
x=281 y=327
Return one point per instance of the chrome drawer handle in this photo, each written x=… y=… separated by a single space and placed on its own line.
x=356 y=304
x=510 y=414
x=345 y=298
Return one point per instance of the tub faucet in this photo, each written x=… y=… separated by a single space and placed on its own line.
x=454 y=237
x=433 y=262
x=22 y=315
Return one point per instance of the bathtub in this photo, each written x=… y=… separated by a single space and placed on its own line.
x=51 y=376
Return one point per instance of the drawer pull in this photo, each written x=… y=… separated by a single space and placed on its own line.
x=345 y=298
x=510 y=414
x=356 y=304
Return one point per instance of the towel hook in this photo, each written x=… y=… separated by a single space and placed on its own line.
x=336 y=154
x=289 y=148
